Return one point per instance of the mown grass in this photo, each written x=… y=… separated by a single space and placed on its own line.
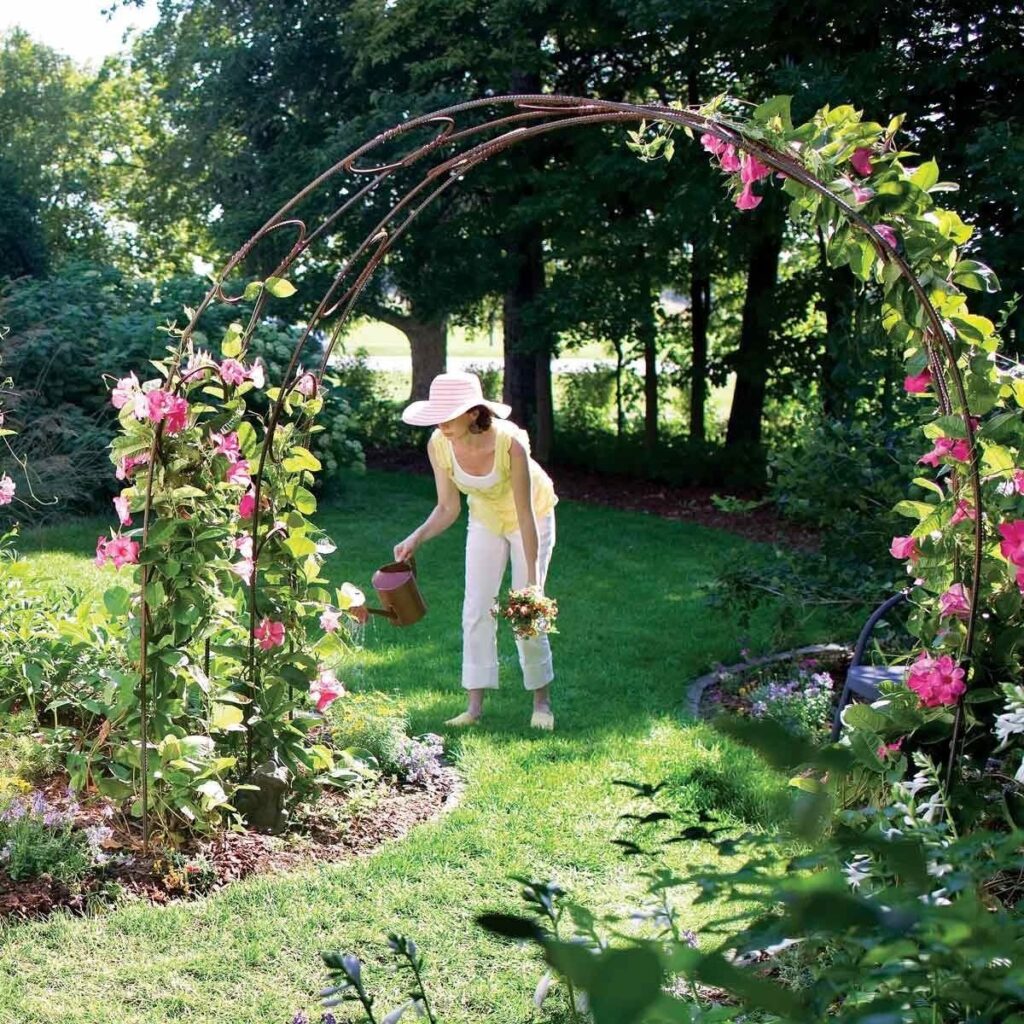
x=634 y=630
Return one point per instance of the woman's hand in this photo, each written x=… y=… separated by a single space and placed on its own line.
x=405 y=549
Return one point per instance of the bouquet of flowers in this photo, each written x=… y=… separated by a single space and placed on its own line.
x=529 y=612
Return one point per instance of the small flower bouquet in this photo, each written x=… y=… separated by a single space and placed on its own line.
x=529 y=612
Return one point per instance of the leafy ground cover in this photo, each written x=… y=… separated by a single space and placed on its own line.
x=634 y=628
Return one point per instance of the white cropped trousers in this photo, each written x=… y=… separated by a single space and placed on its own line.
x=487 y=556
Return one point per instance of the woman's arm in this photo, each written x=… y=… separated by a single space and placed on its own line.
x=446 y=511
x=522 y=492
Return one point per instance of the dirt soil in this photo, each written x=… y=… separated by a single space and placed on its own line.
x=688 y=504
x=338 y=827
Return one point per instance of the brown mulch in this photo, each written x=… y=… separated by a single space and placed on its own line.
x=686 y=504
x=339 y=826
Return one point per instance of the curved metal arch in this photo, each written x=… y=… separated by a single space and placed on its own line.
x=532 y=115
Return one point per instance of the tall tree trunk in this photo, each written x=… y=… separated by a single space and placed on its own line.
x=527 y=353
x=649 y=338
x=838 y=298
x=428 y=346
x=700 y=311
x=753 y=359
x=620 y=415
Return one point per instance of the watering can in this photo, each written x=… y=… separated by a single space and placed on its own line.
x=399 y=595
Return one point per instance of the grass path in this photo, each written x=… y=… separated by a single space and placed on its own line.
x=634 y=629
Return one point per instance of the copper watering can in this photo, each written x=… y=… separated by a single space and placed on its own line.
x=398 y=593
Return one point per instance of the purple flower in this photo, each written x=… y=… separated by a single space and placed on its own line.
x=15 y=810
x=300 y=1018
x=39 y=804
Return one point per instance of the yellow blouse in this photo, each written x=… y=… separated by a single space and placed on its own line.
x=491 y=501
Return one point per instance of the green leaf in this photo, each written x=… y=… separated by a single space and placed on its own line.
x=300 y=459
x=997 y=459
x=279 y=287
x=714 y=969
x=304 y=501
x=625 y=983
x=252 y=291
x=162 y=531
x=777 y=106
x=914 y=509
x=930 y=485
x=226 y=718
x=231 y=346
x=117 y=601
x=972 y=274
x=300 y=545
x=926 y=175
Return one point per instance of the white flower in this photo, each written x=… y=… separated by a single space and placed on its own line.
x=857 y=870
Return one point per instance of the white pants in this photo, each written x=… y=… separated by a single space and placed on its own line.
x=487 y=556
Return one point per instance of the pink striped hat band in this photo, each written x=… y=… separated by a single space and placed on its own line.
x=451 y=394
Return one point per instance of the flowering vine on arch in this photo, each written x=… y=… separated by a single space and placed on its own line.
x=226 y=534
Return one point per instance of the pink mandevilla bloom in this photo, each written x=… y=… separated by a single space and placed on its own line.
x=233 y=372
x=904 y=547
x=119 y=550
x=954 y=448
x=244 y=569
x=158 y=404
x=305 y=384
x=227 y=445
x=330 y=620
x=243 y=545
x=937 y=681
x=7 y=489
x=751 y=169
x=125 y=391
x=121 y=507
x=1018 y=480
x=127 y=465
x=257 y=376
x=861 y=161
x=886 y=750
x=887 y=234
x=269 y=634
x=964 y=510
x=1012 y=544
x=746 y=200
x=238 y=473
x=326 y=689
x=860 y=193
x=247 y=505
x=954 y=603
x=101 y=552
x=712 y=145
x=919 y=383
x=730 y=159
x=177 y=415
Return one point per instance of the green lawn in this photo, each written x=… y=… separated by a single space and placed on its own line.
x=634 y=630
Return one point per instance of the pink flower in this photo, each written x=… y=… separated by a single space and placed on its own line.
x=729 y=158
x=712 y=144
x=306 y=385
x=1020 y=578
x=954 y=448
x=330 y=620
x=247 y=506
x=269 y=634
x=954 y=603
x=751 y=169
x=886 y=749
x=127 y=465
x=243 y=569
x=860 y=193
x=238 y=473
x=964 y=510
x=233 y=372
x=861 y=161
x=158 y=404
x=887 y=235
x=326 y=689
x=177 y=415
x=919 y=384
x=119 y=550
x=257 y=376
x=904 y=547
x=7 y=489
x=124 y=391
x=937 y=681
x=199 y=365
x=1018 y=480
x=227 y=445
x=121 y=507
x=243 y=545
x=746 y=200
x=1012 y=544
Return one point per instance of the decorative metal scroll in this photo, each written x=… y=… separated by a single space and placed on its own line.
x=492 y=126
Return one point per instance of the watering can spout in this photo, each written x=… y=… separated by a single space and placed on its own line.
x=400 y=598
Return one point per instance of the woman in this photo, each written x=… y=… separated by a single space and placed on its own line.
x=511 y=512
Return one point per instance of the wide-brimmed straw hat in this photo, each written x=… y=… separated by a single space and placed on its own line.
x=451 y=394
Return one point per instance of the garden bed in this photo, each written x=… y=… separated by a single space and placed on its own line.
x=339 y=826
